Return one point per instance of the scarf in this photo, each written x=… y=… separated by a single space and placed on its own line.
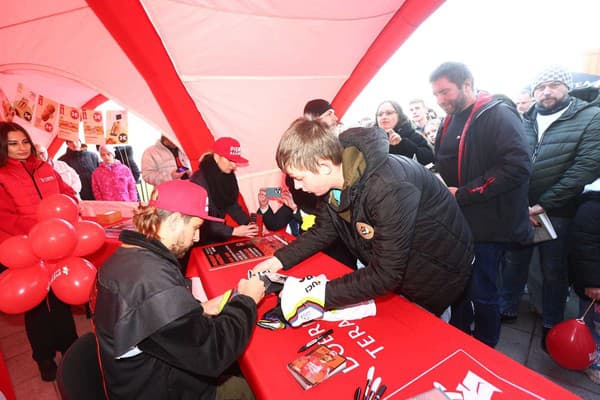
x=222 y=188
x=559 y=106
x=137 y=239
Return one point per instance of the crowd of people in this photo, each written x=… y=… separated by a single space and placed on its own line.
x=438 y=209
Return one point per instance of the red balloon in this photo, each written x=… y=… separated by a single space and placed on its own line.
x=73 y=280
x=16 y=252
x=90 y=237
x=53 y=239
x=571 y=344
x=58 y=206
x=22 y=289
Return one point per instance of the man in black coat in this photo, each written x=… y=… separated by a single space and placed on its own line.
x=392 y=213
x=481 y=153
x=155 y=340
x=84 y=163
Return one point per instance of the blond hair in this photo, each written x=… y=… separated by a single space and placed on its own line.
x=305 y=143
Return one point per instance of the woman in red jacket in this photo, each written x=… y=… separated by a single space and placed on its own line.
x=24 y=182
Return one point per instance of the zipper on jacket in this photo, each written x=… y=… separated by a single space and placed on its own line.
x=33 y=179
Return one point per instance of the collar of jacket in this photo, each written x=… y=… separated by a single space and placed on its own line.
x=354 y=165
x=137 y=239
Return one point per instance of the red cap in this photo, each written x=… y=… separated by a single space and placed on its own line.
x=230 y=149
x=184 y=197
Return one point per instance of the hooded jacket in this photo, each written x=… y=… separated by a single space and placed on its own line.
x=493 y=172
x=566 y=158
x=114 y=182
x=399 y=220
x=143 y=303
x=158 y=162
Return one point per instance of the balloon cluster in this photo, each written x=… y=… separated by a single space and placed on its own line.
x=50 y=256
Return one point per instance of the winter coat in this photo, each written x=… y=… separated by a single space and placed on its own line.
x=23 y=185
x=68 y=174
x=399 y=220
x=125 y=155
x=84 y=163
x=144 y=305
x=584 y=243
x=158 y=163
x=565 y=159
x=412 y=144
x=493 y=172
x=114 y=182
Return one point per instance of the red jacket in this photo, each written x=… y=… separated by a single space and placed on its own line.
x=22 y=187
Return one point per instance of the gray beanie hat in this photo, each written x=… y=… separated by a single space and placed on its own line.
x=553 y=73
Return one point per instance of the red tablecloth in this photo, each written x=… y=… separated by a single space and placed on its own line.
x=411 y=349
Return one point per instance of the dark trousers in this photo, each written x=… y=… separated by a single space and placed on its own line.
x=50 y=328
x=481 y=303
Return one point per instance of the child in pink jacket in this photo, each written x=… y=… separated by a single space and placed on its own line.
x=113 y=180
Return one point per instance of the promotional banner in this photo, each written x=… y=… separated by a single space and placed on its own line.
x=116 y=123
x=7 y=111
x=45 y=114
x=24 y=102
x=68 y=122
x=93 y=127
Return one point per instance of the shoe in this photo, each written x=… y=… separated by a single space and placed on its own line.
x=544 y=334
x=508 y=318
x=47 y=370
x=593 y=373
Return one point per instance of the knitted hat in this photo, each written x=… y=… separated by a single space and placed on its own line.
x=230 y=149
x=316 y=108
x=184 y=197
x=553 y=73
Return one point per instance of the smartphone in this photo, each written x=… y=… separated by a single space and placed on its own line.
x=273 y=192
x=182 y=169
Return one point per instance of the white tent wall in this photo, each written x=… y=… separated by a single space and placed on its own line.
x=241 y=69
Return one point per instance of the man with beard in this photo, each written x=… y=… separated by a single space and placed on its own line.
x=155 y=339
x=563 y=133
x=481 y=154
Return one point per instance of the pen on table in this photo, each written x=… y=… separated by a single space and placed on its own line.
x=370 y=374
x=380 y=392
x=315 y=340
x=357 y=393
x=374 y=387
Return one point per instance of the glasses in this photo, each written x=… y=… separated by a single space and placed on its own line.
x=386 y=113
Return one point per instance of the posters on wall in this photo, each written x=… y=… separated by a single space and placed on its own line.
x=116 y=123
x=24 y=102
x=7 y=111
x=93 y=128
x=45 y=114
x=68 y=122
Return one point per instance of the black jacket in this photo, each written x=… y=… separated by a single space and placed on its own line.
x=142 y=300
x=402 y=223
x=84 y=163
x=584 y=243
x=412 y=144
x=493 y=172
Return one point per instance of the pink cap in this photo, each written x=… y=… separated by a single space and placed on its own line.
x=230 y=149
x=184 y=197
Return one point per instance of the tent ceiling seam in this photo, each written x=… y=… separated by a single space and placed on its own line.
x=28 y=21
x=198 y=78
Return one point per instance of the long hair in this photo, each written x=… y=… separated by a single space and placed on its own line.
x=402 y=118
x=148 y=219
x=6 y=127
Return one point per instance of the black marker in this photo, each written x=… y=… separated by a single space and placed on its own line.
x=315 y=340
x=357 y=394
x=374 y=388
x=380 y=392
x=370 y=374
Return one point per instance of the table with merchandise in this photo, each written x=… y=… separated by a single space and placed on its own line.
x=411 y=350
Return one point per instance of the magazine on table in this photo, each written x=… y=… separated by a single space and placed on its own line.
x=316 y=366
